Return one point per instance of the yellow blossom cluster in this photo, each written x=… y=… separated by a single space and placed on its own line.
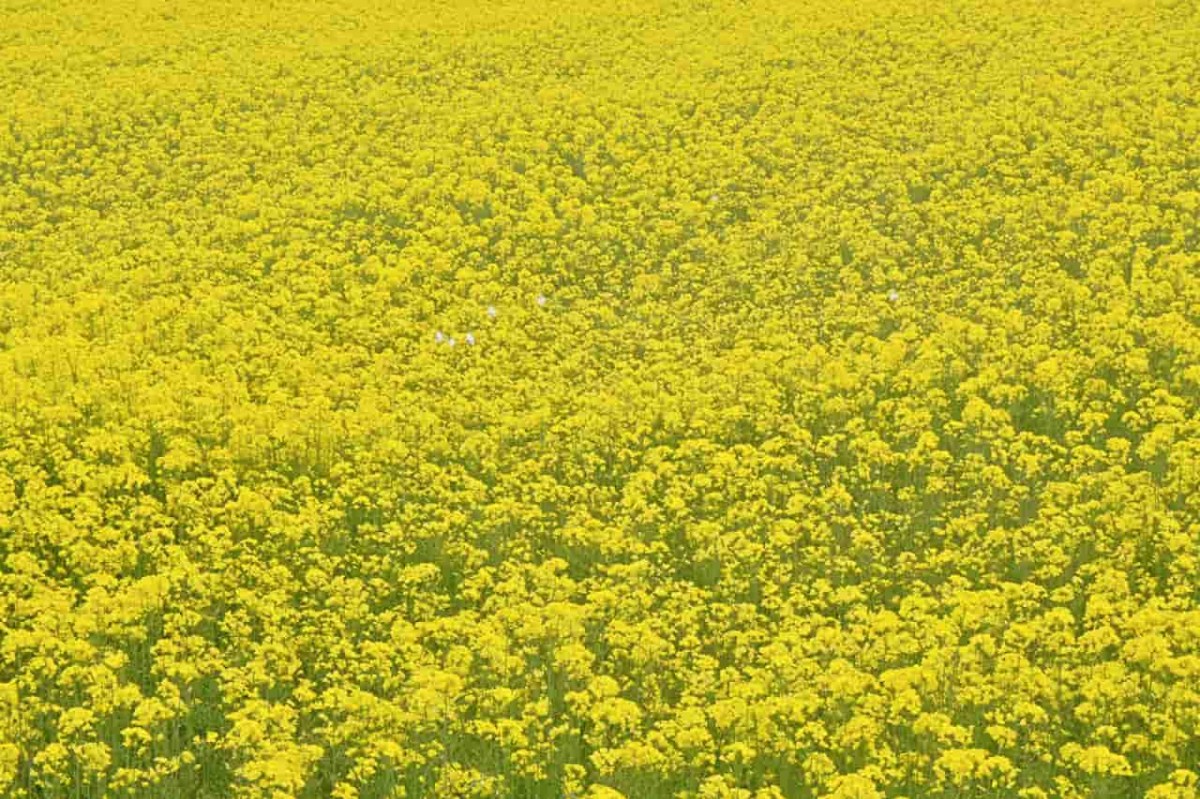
x=600 y=398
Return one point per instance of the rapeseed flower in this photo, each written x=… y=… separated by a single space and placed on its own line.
x=831 y=431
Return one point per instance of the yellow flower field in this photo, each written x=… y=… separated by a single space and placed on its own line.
x=705 y=399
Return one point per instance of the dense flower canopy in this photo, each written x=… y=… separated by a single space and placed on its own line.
x=605 y=398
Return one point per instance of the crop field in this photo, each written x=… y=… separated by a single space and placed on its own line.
x=658 y=399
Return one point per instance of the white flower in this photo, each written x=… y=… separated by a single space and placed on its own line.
x=491 y=311
x=471 y=339
x=439 y=337
x=541 y=299
x=450 y=341
x=893 y=295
